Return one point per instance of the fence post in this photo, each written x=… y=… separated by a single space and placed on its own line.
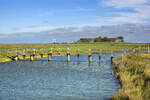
x=90 y=56
x=68 y=55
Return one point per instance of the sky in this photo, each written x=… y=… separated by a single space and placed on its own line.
x=41 y=21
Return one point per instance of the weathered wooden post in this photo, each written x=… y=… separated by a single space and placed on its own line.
x=68 y=55
x=78 y=53
x=24 y=54
x=50 y=55
x=90 y=56
x=133 y=50
x=16 y=57
x=42 y=53
x=99 y=56
x=32 y=55
x=59 y=51
x=112 y=57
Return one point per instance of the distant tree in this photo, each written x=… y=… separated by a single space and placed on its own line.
x=106 y=39
x=98 y=39
x=121 y=38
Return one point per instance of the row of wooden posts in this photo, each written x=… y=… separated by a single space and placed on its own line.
x=50 y=54
x=32 y=56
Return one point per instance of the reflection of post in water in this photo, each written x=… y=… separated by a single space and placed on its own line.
x=68 y=55
x=78 y=53
x=50 y=62
x=68 y=63
x=90 y=57
x=112 y=57
x=99 y=63
x=49 y=57
x=78 y=63
x=90 y=65
x=99 y=56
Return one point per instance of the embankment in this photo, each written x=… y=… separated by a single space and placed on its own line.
x=133 y=71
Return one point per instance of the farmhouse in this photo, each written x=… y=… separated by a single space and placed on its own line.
x=100 y=39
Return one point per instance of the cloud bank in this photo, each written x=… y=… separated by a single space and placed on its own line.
x=131 y=33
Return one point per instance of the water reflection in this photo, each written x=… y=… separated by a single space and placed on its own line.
x=58 y=79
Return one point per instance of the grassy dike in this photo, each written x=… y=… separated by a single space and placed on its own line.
x=133 y=71
x=95 y=47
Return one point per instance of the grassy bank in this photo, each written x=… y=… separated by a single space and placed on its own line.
x=95 y=47
x=133 y=71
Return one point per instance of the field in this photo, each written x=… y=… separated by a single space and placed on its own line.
x=133 y=71
x=61 y=49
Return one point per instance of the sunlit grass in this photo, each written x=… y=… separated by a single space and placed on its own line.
x=134 y=74
x=6 y=49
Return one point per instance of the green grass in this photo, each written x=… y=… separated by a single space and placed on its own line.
x=95 y=47
x=133 y=71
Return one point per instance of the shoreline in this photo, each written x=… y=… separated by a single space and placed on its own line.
x=6 y=59
x=133 y=72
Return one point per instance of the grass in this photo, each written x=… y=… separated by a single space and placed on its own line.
x=84 y=47
x=133 y=71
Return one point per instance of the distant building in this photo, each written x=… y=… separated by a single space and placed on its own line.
x=86 y=40
x=100 y=39
x=116 y=40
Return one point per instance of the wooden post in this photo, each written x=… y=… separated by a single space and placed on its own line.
x=58 y=51
x=16 y=57
x=90 y=56
x=24 y=54
x=34 y=51
x=68 y=55
x=112 y=57
x=133 y=50
x=42 y=53
x=99 y=56
x=78 y=55
x=32 y=57
x=148 y=49
x=49 y=56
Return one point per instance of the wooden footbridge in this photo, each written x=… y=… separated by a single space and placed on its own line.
x=32 y=53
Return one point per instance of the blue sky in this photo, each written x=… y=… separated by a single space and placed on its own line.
x=57 y=18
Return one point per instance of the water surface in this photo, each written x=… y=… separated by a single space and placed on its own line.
x=58 y=80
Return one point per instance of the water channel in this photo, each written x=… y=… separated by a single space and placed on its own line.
x=58 y=80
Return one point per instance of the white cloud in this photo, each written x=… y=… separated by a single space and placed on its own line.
x=125 y=3
x=138 y=11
